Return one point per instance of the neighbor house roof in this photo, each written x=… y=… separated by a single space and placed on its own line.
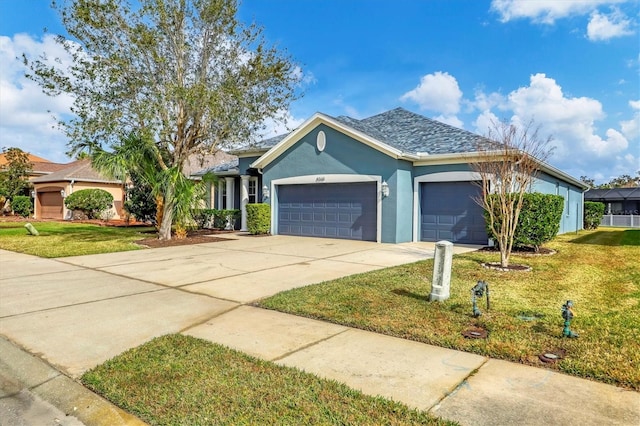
x=79 y=170
x=197 y=165
x=32 y=159
x=613 y=194
x=227 y=167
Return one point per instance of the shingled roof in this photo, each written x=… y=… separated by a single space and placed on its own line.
x=80 y=170
x=404 y=130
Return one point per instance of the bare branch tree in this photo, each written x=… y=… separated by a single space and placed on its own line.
x=508 y=161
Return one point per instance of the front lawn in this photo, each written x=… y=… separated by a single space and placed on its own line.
x=181 y=380
x=58 y=239
x=599 y=270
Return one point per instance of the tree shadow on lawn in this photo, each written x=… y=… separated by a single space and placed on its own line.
x=629 y=237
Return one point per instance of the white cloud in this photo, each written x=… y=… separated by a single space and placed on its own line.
x=485 y=122
x=26 y=114
x=451 y=120
x=546 y=11
x=284 y=123
x=437 y=92
x=631 y=128
x=604 y=27
x=571 y=121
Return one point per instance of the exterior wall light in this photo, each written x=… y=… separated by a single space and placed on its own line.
x=265 y=192
x=384 y=187
x=33 y=193
x=63 y=193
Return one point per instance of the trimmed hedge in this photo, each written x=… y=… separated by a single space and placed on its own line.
x=539 y=220
x=258 y=218
x=593 y=213
x=22 y=205
x=92 y=202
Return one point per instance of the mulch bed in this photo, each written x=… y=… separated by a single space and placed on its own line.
x=198 y=236
x=521 y=251
x=525 y=251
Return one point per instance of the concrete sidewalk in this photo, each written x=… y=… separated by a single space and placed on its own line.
x=75 y=313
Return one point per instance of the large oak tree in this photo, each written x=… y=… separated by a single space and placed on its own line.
x=185 y=74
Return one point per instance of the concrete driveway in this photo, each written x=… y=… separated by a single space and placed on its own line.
x=77 y=312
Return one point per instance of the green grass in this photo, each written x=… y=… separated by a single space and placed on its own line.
x=599 y=270
x=181 y=380
x=59 y=239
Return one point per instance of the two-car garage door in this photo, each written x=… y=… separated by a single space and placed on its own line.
x=449 y=212
x=333 y=210
x=349 y=210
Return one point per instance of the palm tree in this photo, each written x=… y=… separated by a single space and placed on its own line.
x=174 y=193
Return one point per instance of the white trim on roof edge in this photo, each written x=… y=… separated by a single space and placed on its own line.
x=315 y=120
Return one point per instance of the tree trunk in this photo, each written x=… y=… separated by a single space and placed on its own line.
x=164 y=233
x=504 y=258
x=159 y=211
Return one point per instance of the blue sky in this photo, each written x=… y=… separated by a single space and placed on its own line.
x=571 y=65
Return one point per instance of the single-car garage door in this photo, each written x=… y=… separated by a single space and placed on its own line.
x=50 y=205
x=333 y=210
x=448 y=212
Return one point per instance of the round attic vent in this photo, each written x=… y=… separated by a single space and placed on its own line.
x=321 y=141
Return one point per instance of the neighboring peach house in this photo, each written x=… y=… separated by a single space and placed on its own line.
x=50 y=189
x=52 y=182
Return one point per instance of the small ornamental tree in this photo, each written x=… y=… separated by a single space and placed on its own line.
x=91 y=202
x=507 y=161
x=593 y=213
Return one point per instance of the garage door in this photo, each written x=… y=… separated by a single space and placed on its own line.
x=328 y=210
x=448 y=212
x=50 y=205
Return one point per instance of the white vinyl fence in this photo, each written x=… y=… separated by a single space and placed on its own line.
x=621 y=220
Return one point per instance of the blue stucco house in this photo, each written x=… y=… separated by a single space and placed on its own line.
x=394 y=177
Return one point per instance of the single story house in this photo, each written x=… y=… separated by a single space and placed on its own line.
x=50 y=190
x=618 y=201
x=394 y=177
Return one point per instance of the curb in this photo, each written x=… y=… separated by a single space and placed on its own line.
x=21 y=372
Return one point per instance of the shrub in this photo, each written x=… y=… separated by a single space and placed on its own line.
x=205 y=218
x=539 y=220
x=22 y=205
x=593 y=213
x=140 y=202
x=221 y=216
x=215 y=219
x=91 y=202
x=258 y=218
